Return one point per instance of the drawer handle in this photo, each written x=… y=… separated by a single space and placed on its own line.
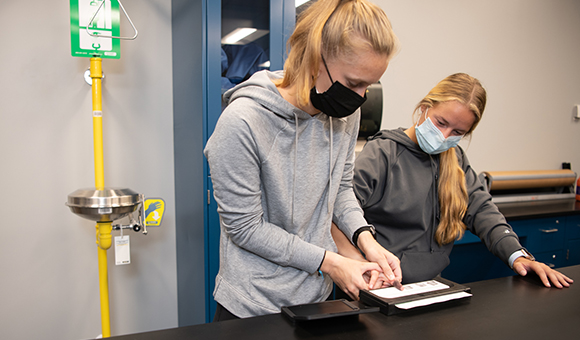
x=548 y=231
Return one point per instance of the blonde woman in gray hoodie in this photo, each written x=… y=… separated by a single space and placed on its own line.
x=281 y=160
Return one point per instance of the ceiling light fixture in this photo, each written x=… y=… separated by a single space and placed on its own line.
x=237 y=35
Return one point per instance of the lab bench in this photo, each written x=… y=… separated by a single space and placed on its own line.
x=503 y=308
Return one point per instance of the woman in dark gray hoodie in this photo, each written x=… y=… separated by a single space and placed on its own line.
x=417 y=188
x=282 y=158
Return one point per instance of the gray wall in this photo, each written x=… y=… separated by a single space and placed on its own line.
x=526 y=53
x=48 y=257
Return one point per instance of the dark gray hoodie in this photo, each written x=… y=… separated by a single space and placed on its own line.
x=396 y=184
x=277 y=180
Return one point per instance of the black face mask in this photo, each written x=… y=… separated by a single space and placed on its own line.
x=338 y=101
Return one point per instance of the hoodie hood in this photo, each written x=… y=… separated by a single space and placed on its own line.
x=260 y=87
x=400 y=137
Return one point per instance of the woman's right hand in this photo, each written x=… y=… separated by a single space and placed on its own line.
x=351 y=275
x=373 y=278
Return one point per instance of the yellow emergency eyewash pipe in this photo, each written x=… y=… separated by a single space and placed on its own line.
x=104 y=243
x=96 y=76
x=103 y=228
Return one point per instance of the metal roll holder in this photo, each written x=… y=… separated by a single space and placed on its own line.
x=529 y=185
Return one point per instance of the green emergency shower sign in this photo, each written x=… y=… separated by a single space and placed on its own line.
x=92 y=35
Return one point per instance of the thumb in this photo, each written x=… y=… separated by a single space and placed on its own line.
x=520 y=269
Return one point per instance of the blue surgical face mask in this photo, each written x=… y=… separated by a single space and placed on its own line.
x=431 y=139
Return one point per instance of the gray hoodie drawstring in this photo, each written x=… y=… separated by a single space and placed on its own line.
x=435 y=198
x=295 y=162
x=330 y=166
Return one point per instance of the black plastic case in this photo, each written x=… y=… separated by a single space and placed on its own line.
x=325 y=310
x=388 y=306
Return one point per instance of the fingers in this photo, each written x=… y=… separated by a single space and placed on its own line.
x=392 y=267
x=558 y=279
x=397 y=272
x=351 y=275
x=388 y=262
x=398 y=285
x=352 y=293
x=387 y=270
x=381 y=282
x=350 y=289
x=567 y=279
x=373 y=279
x=367 y=270
x=375 y=272
x=547 y=275
x=543 y=278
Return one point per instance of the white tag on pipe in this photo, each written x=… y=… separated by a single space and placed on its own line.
x=122 y=250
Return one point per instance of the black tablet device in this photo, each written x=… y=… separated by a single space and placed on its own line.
x=325 y=309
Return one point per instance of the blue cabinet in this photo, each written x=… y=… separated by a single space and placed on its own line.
x=573 y=227
x=571 y=254
x=545 y=234
x=545 y=238
x=554 y=241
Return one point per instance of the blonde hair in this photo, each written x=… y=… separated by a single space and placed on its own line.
x=453 y=197
x=335 y=28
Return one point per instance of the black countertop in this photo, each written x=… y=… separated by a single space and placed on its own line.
x=505 y=308
x=539 y=209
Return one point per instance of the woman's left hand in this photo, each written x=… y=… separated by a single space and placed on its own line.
x=523 y=266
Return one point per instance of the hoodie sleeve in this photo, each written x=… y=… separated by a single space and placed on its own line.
x=483 y=217
x=370 y=174
x=348 y=215
x=234 y=161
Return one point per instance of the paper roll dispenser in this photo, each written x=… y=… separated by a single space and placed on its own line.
x=371 y=111
x=518 y=186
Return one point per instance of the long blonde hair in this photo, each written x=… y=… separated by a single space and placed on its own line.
x=337 y=28
x=453 y=197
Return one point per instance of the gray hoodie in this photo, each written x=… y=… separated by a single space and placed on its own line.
x=396 y=184
x=277 y=180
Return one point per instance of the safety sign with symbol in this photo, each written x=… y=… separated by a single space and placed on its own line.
x=154 y=209
x=93 y=24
